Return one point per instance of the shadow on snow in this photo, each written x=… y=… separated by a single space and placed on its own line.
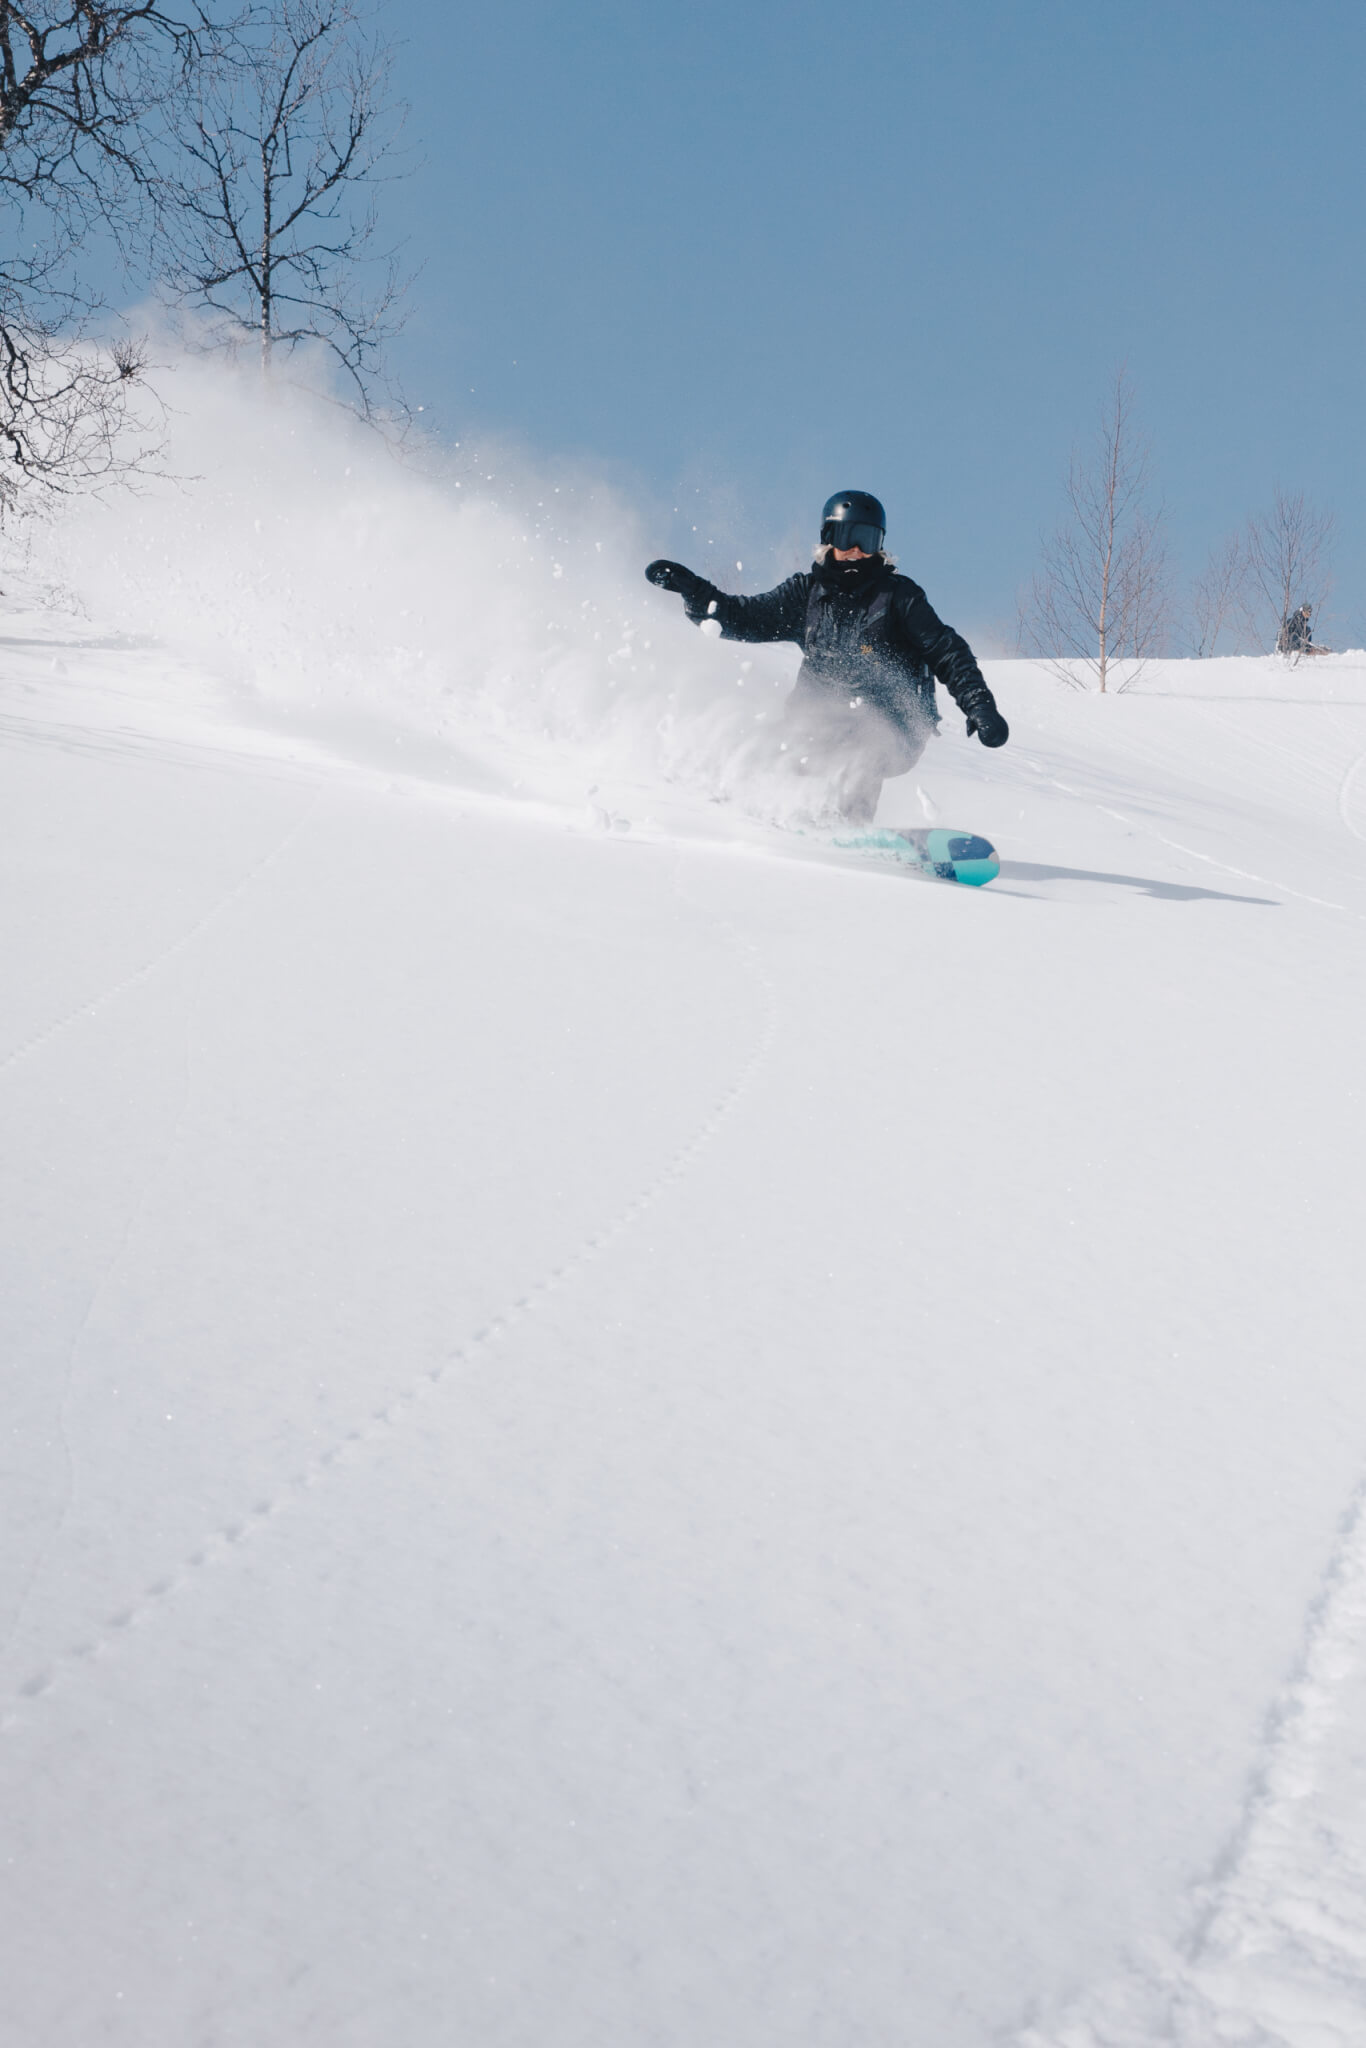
x=1175 y=892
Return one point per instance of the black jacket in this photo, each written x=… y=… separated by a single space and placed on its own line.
x=870 y=633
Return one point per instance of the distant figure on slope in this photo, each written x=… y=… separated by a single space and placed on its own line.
x=863 y=705
x=1297 y=633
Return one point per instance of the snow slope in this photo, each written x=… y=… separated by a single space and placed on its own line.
x=619 y=1433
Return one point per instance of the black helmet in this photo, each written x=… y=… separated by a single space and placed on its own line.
x=853 y=519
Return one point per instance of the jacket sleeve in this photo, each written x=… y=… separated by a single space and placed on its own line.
x=775 y=615
x=946 y=654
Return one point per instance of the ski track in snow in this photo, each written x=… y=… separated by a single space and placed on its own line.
x=1193 y=853
x=1243 y=874
x=220 y=1542
x=1344 y=796
x=1277 y=752
x=1277 y=1955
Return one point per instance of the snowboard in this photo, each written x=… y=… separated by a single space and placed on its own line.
x=933 y=850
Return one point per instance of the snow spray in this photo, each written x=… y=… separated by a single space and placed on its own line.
x=316 y=567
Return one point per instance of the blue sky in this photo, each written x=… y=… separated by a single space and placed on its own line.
x=740 y=256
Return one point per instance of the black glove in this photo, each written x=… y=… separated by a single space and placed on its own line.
x=673 y=576
x=697 y=594
x=986 y=721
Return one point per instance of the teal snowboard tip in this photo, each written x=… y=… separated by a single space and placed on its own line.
x=939 y=850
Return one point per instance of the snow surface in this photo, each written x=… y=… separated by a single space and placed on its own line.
x=621 y=1431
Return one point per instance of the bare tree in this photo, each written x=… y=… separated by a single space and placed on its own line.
x=1100 y=601
x=274 y=231
x=1288 y=552
x=80 y=81
x=69 y=420
x=1219 y=594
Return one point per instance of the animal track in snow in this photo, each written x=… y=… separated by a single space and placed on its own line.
x=397 y=1408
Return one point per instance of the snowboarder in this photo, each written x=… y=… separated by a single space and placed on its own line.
x=1297 y=633
x=863 y=705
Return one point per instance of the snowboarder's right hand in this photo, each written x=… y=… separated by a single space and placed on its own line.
x=700 y=598
x=673 y=576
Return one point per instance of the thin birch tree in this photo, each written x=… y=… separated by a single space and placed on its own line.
x=1099 y=604
x=1219 y=595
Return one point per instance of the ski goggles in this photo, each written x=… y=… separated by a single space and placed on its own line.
x=845 y=533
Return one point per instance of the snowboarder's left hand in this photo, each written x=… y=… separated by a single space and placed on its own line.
x=988 y=724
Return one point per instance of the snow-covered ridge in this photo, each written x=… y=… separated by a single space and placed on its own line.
x=624 y=1435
